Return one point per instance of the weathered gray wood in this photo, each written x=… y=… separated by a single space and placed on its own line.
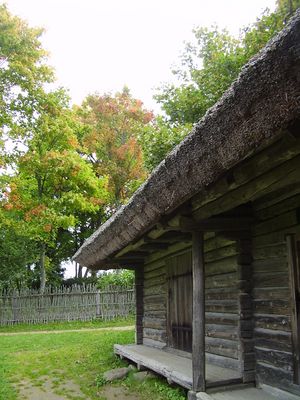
x=213 y=224
x=198 y=348
x=155 y=334
x=65 y=304
x=175 y=367
x=280 y=208
x=294 y=274
x=139 y=290
x=280 y=359
x=277 y=178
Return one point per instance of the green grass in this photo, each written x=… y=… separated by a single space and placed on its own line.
x=78 y=356
x=65 y=325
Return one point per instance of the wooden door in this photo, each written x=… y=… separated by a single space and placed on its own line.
x=294 y=272
x=180 y=289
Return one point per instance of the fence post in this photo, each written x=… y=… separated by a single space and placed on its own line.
x=65 y=304
x=98 y=307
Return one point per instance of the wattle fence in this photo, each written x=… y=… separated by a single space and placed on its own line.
x=76 y=303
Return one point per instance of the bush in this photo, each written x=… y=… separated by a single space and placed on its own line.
x=119 y=278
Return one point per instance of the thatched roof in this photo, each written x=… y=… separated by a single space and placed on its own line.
x=262 y=101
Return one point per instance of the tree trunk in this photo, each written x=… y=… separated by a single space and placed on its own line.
x=42 y=269
x=86 y=273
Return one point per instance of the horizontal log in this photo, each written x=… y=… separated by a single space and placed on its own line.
x=218 y=253
x=268 y=293
x=221 y=331
x=273 y=344
x=153 y=343
x=221 y=318
x=221 y=281
x=253 y=167
x=155 y=314
x=283 y=174
x=155 y=334
x=214 y=224
x=275 y=335
x=157 y=307
x=154 y=281
x=229 y=293
x=229 y=306
x=272 y=306
x=154 y=299
x=274 y=322
x=156 y=290
x=289 y=204
x=155 y=323
x=154 y=273
x=225 y=265
x=274 y=376
x=275 y=280
x=275 y=250
x=223 y=347
x=224 y=362
x=215 y=242
x=270 y=265
x=221 y=351
x=280 y=359
x=276 y=197
x=173 y=250
x=154 y=265
x=277 y=223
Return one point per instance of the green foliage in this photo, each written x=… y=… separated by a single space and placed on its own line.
x=169 y=393
x=23 y=70
x=117 y=278
x=158 y=139
x=207 y=69
x=51 y=182
x=17 y=253
x=110 y=126
x=211 y=63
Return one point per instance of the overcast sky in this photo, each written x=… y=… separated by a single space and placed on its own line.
x=101 y=45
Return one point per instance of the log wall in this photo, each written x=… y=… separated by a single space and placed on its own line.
x=222 y=300
x=276 y=216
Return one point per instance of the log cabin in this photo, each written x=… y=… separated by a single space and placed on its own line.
x=213 y=236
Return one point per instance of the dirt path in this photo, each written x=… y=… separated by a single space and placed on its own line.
x=67 y=390
x=112 y=328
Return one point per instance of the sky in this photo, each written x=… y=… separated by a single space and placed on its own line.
x=102 y=45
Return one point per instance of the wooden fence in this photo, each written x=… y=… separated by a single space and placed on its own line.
x=76 y=303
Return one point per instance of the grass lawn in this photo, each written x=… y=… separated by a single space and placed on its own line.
x=79 y=357
x=65 y=325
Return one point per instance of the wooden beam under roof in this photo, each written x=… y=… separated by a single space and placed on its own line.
x=216 y=224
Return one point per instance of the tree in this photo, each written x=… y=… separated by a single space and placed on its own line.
x=17 y=254
x=111 y=125
x=213 y=61
x=23 y=70
x=51 y=182
x=158 y=139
